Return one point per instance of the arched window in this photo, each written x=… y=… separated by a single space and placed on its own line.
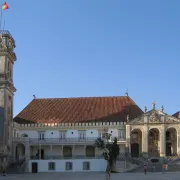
x=24 y=135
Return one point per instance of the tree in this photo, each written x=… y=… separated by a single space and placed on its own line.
x=110 y=150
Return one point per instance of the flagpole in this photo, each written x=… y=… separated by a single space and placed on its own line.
x=1 y=19
x=3 y=26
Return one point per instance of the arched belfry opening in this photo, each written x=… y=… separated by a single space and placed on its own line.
x=153 y=142
x=136 y=142
x=171 y=142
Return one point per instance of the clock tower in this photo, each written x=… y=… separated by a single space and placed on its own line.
x=7 y=89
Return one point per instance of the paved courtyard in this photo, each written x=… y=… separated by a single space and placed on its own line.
x=93 y=176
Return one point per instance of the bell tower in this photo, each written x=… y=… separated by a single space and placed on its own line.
x=7 y=89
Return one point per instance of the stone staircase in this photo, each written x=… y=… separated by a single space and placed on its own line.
x=16 y=167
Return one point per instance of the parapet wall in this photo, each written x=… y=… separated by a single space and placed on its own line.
x=93 y=124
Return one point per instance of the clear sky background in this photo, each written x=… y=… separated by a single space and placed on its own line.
x=75 y=48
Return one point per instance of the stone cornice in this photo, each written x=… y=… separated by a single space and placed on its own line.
x=69 y=126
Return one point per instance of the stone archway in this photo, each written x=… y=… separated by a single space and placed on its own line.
x=136 y=142
x=171 y=142
x=153 y=142
x=20 y=151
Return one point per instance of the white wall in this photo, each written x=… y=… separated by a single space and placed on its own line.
x=91 y=133
x=70 y=135
x=31 y=134
x=113 y=132
x=52 y=134
x=95 y=165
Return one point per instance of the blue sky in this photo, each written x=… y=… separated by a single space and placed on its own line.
x=75 y=48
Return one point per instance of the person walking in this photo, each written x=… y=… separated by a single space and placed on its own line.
x=108 y=171
x=145 y=168
x=4 y=165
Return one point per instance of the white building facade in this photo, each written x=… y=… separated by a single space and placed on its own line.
x=64 y=147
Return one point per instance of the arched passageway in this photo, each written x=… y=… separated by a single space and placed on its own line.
x=153 y=142
x=171 y=142
x=136 y=142
x=20 y=151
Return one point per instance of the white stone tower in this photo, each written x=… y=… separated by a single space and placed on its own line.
x=7 y=89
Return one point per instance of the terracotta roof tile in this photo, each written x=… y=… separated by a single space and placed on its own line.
x=69 y=110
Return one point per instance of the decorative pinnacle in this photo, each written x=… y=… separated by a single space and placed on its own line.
x=145 y=109
x=154 y=105
x=127 y=118
x=162 y=108
x=126 y=93
x=34 y=96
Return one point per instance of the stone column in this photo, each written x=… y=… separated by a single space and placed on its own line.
x=51 y=152
x=145 y=134
x=85 y=152
x=27 y=154
x=178 y=142
x=163 y=141
x=128 y=138
x=39 y=151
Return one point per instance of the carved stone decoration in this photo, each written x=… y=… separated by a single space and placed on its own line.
x=154 y=117
x=172 y=120
x=145 y=109
x=127 y=118
x=162 y=108
x=139 y=120
x=153 y=105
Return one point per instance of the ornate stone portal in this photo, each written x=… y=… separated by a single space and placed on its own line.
x=154 y=134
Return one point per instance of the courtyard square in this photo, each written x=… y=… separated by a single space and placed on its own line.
x=93 y=176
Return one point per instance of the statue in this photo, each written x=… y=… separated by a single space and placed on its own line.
x=145 y=109
x=127 y=118
x=162 y=108
x=154 y=105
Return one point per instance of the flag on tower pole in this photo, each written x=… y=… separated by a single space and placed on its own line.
x=4 y=7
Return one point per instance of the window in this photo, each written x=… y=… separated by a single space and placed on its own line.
x=8 y=69
x=41 y=136
x=122 y=134
x=68 y=166
x=62 y=135
x=24 y=135
x=9 y=110
x=82 y=134
x=86 y=165
x=51 y=166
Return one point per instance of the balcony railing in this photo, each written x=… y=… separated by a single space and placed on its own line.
x=66 y=140
x=46 y=157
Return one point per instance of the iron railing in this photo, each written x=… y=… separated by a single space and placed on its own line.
x=65 y=140
x=46 y=157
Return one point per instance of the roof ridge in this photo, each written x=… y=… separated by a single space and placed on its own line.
x=85 y=97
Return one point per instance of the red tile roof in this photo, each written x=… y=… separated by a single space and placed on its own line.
x=85 y=109
x=176 y=114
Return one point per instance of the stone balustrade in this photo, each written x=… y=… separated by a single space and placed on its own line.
x=90 y=124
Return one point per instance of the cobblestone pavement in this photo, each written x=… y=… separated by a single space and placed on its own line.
x=93 y=176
